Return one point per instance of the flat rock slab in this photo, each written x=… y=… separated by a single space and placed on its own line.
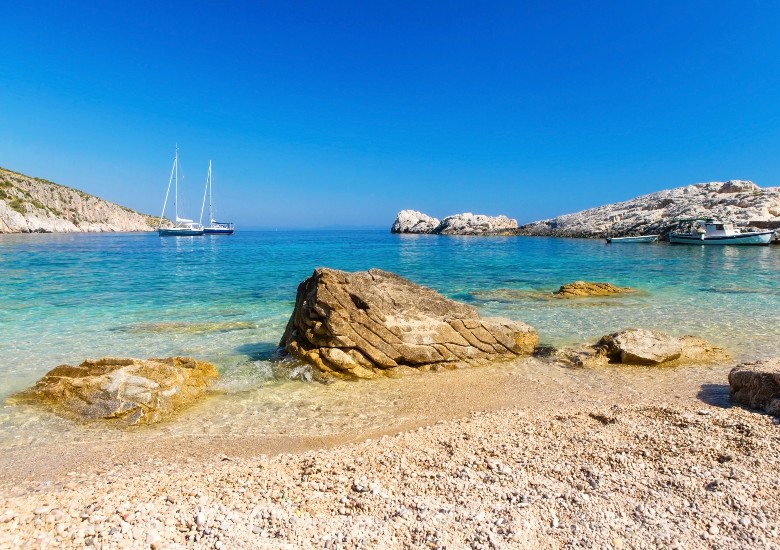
x=757 y=385
x=364 y=324
x=643 y=347
x=122 y=391
x=579 y=289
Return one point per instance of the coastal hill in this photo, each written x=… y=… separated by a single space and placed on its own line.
x=34 y=205
x=741 y=202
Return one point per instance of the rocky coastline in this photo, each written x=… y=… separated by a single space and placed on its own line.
x=34 y=205
x=741 y=202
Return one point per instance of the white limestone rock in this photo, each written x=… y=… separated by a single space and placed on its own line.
x=741 y=202
x=471 y=224
x=412 y=221
x=32 y=205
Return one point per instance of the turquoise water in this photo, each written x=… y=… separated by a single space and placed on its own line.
x=65 y=298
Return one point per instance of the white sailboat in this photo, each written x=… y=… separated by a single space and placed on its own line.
x=182 y=227
x=214 y=227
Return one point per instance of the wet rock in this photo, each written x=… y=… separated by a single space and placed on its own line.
x=643 y=347
x=359 y=325
x=585 y=288
x=122 y=391
x=757 y=385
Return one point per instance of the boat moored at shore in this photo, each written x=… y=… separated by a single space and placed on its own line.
x=715 y=232
x=631 y=240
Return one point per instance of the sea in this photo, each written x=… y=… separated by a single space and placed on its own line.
x=65 y=298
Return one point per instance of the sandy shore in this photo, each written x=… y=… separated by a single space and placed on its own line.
x=641 y=476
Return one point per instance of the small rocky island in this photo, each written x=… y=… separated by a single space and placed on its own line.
x=741 y=202
x=411 y=221
x=34 y=205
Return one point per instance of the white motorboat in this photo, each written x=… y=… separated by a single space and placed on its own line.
x=182 y=227
x=214 y=227
x=631 y=240
x=714 y=232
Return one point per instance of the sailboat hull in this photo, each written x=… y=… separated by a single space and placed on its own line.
x=217 y=231
x=179 y=232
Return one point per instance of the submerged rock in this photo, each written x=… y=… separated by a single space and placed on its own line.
x=643 y=347
x=585 y=288
x=364 y=324
x=411 y=221
x=757 y=385
x=123 y=391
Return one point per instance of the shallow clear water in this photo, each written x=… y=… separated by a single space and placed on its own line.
x=65 y=298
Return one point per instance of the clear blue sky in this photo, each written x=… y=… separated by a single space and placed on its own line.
x=320 y=114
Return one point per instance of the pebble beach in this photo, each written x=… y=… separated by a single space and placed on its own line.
x=641 y=476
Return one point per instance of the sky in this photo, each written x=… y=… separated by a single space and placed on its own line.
x=340 y=114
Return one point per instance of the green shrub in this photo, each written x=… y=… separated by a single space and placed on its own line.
x=18 y=205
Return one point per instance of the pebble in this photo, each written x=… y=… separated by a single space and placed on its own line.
x=460 y=496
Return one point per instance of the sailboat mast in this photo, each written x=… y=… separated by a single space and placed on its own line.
x=176 y=188
x=211 y=211
x=167 y=192
x=205 y=192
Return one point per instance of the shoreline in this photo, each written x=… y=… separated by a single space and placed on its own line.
x=502 y=456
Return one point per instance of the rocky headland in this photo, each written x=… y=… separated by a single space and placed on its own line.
x=34 y=205
x=411 y=221
x=742 y=202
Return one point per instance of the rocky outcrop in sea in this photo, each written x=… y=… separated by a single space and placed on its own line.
x=411 y=221
x=33 y=205
x=741 y=202
x=369 y=323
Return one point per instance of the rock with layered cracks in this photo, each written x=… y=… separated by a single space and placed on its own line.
x=364 y=324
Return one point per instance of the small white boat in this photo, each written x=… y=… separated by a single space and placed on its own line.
x=214 y=227
x=627 y=240
x=182 y=227
x=714 y=232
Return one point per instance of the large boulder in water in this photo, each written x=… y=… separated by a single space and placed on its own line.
x=643 y=347
x=360 y=325
x=123 y=391
x=757 y=385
